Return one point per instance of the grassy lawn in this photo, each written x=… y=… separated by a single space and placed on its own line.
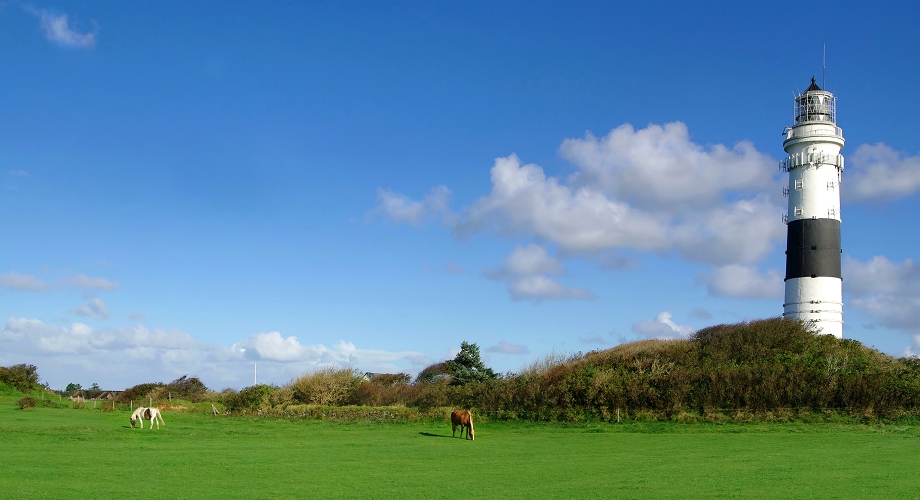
x=48 y=452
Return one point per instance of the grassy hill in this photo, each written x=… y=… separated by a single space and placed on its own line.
x=773 y=366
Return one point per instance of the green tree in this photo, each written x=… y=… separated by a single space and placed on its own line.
x=468 y=367
x=94 y=387
x=71 y=387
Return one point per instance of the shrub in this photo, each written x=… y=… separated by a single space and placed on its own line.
x=26 y=403
x=22 y=377
x=390 y=379
x=190 y=389
x=139 y=391
x=433 y=374
x=775 y=369
x=327 y=387
x=252 y=397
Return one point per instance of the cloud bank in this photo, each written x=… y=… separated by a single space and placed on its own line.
x=126 y=356
x=880 y=174
x=647 y=190
x=888 y=291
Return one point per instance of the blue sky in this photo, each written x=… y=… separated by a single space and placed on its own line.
x=194 y=187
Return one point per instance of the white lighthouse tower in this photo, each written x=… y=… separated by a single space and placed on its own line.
x=813 y=278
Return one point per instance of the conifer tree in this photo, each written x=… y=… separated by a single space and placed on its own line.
x=468 y=367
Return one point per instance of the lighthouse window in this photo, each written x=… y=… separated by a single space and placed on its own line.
x=831 y=185
x=799 y=183
x=797 y=212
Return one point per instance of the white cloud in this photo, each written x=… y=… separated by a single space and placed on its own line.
x=121 y=357
x=85 y=282
x=117 y=358
x=274 y=347
x=740 y=232
x=18 y=173
x=662 y=327
x=524 y=271
x=538 y=288
x=95 y=308
x=399 y=208
x=887 y=291
x=58 y=30
x=880 y=174
x=27 y=282
x=33 y=336
x=648 y=190
x=505 y=347
x=23 y=282
x=525 y=202
x=744 y=282
x=532 y=259
x=659 y=168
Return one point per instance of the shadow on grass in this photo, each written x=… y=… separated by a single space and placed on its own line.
x=428 y=434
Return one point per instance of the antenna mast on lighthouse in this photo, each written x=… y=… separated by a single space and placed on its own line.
x=814 y=163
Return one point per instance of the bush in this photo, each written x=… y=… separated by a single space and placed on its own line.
x=327 y=387
x=190 y=389
x=250 y=398
x=27 y=402
x=138 y=392
x=390 y=379
x=21 y=377
x=433 y=374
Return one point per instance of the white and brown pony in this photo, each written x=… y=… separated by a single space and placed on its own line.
x=151 y=414
x=465 y=420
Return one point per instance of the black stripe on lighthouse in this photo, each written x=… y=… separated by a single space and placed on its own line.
x=813 y=248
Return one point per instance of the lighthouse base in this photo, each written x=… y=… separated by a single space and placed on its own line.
x=818 y=300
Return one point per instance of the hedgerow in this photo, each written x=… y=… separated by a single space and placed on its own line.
x=774 y=369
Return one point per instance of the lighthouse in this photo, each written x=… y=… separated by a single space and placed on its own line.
x=814 y=163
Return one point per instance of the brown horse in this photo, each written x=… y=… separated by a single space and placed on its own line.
x=465 y=420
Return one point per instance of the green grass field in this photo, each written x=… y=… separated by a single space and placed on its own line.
x=54 y=453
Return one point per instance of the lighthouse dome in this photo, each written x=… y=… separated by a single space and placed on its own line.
x=815 y=105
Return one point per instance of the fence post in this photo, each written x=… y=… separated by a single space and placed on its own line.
x=618 y=415
x=151 y=402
